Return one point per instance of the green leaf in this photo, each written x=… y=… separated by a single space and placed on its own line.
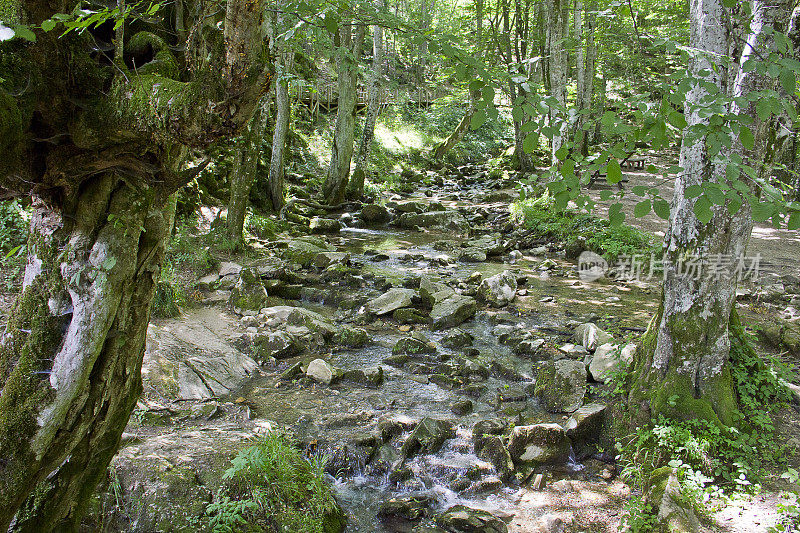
x=477 y=120
x=48 y=25
x=714 y=194
x=642 y=208
x=693 y=191
x=762 y=211
x=614 y=171
x=562 y=152
x=530 y=142
x=331 y=22
x=702 y=210
x=568 y=168
x=24 y=32
x=639 y=190
x=746 y=136
x=606 y=195
x=109 y=263
x=794 y=221
x=788 y=81
x=661 y=208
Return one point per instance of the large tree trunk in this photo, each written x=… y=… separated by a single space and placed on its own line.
x=71 y=355
x=243 y=174
x=282 y=112
x=335 y=185
x=681 y=369
x=356 y=188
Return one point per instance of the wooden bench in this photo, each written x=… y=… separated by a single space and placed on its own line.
x=634 y=163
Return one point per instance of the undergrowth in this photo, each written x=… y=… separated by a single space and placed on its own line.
x=272 y=487
x=712 y=462
x=570 y=225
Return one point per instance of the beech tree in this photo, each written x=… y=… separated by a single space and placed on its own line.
x=97 y=139
x=681 y=370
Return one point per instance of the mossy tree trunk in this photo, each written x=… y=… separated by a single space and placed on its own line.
x=681 y=369
x=351 y=39
x=96 y=149
x=71 y=355
x=282 y=113
x=243 y=173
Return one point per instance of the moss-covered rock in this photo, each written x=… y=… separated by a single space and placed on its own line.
x=561 y=385
x=248 y=293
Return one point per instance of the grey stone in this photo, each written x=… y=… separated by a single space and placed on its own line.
x=324 y=225
x=539 y=443
x=499 y=290
x=590 y=336
x=453 y=311
x=561 y=385
x=391 y=300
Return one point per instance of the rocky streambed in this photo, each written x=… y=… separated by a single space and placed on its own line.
x=452 y=370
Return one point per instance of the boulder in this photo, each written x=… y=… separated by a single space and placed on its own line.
x=457 y=339
x=539 y=443
x=409 y=315
x=428 y=437
x=322 y=371
x=375 y=214
x=304 y=250
x=561 y=385
x=248 y=293
x=227 y=268
x=189 y=362
x=314 y=322
x=408 y=507
x=351 y=337
x=675 y=512
x=590 y=336
x=433 y=292
x=324 y=225
x=279 y=344
x=610 y=358
x=453 y=311
x=165 y=482
x=206 y=282
x=495 y=452
x=372 y=377
x=498 y=290
x=447 y=220
x=462 y=519
x=326 y=259
x=584 y=425
x=412 y=346
x=462 y=407
x=390 y=301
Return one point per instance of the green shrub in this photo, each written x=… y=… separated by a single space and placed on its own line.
x=13 y=226
x=569 y=225
x=169 y=294
x=272 y=487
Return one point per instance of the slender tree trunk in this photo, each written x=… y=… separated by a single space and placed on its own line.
x=558 y=21
x=681 y=369
x=71 y=355
x=586 y=71
x=282 y=112
x=243 y=174
x=335 y=185
x=356 y=188
x=441 y=149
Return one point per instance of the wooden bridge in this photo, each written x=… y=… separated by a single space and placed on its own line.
x=323 y=98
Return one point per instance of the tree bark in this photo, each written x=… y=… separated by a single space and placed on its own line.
x=681 y=369
x=282 y=112
x=71 y=355
x=356 y=188
x=243 y=174
x=335 y=185
x=558 y=21
x=96 y=149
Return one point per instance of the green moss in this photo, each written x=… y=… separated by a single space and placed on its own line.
x=144 y=42
x=163 y=64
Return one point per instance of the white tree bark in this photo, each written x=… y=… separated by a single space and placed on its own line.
x=686 y=351
x=558 y=21
x=356 y=188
